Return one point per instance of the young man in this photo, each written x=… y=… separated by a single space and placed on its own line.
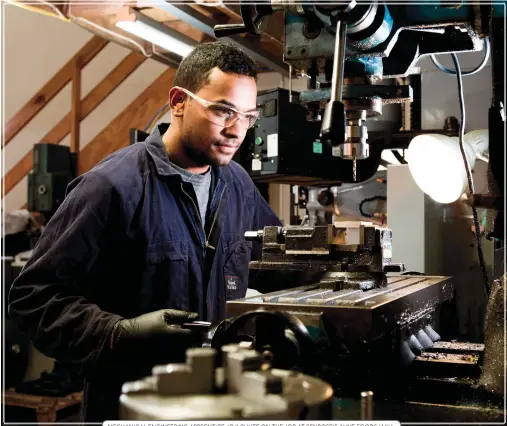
x=150 y=238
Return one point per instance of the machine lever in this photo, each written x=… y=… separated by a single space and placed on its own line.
x=255 y=19
x=333 y=129
x=227 y=30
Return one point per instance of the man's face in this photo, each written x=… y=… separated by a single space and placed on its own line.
x=204 y=141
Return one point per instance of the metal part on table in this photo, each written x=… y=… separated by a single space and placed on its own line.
x=244 y=387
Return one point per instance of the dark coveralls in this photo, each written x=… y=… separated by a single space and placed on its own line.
x=128 y=240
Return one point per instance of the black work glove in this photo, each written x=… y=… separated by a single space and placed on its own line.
x=154 y=338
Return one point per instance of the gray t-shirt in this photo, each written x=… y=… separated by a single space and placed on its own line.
x=201 y=184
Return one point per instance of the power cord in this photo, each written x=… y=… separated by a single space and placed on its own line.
x=107 y=31
x=478 y=68
x=156 y=117
x=469 y=173
x=367 y=200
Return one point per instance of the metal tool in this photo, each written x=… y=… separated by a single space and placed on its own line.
x=201 y=326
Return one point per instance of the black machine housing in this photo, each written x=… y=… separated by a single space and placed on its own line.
x=284 y=147
x=54 y=167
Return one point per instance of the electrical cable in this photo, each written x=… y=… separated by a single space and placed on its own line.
x=469 y=173
x=155 y=118
x=58 y=15
x=367 y=200
x=399 y=157
x=107 y=31
x=478 y=68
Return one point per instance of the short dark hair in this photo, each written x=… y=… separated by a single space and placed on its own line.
x=194 y=70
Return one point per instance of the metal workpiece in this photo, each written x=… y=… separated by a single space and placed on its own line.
x=243 y=387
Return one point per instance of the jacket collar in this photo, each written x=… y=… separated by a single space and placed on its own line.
x=163 y=167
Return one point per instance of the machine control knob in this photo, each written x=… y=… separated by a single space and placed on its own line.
x=254 y=235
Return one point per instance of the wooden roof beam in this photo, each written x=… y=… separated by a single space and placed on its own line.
x=116 y=135
x=94 y=98
x=52 y=88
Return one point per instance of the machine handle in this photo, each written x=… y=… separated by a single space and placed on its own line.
x=227 y=30
x=255 y=19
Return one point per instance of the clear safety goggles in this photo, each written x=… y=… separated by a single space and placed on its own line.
x=223 y=115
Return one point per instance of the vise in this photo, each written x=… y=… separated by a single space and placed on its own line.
x=352 y=255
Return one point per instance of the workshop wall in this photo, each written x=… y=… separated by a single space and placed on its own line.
x=440 y=91
x=38 y=46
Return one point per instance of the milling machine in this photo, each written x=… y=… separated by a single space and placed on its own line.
x=362 y=319
x=360 y=59
x=365 y=324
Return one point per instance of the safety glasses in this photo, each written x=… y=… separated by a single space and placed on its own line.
x=223 y=115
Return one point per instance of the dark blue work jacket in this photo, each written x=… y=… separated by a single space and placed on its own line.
x=128 y=240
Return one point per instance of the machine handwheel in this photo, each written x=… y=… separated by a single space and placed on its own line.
x=280 y=336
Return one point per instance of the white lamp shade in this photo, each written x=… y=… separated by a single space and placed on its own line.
x=437 y=166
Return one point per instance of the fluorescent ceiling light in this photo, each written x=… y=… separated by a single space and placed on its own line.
x=155 y=33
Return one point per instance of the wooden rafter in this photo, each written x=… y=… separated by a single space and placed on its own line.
x=75 y=111
x=116 y=135
x=51 y=89
x=119 y=74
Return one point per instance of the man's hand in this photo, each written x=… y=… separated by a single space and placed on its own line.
x=153 y=325
x=154 y=336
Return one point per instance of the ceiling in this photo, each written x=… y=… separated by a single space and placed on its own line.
x=192 y=20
